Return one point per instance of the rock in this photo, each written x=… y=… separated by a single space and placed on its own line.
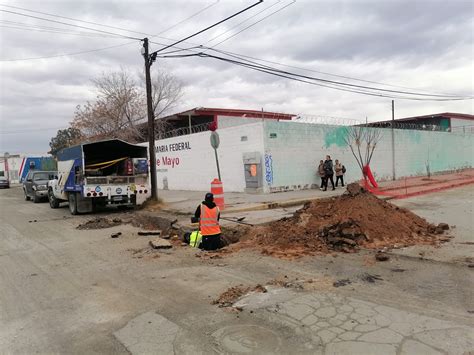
x=381 y=257
x=116 y=235
x=155 y=232
x=166 y=236
x=159 y=243
x=443 y=226
x=117 y=220
x=355 y=189
x=439 y=230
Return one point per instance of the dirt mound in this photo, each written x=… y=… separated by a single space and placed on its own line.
x=232 y=294
x=344 y=223
x=100 y=223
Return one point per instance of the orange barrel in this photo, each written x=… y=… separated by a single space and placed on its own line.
x=218 y=191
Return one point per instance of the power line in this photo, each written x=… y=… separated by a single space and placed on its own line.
x=253 y=24
x=187 y=18
x=69 y=24
x=351 y=85
x=67 y=54
x=115 y=27
x=332 y=84
x=80 y=34
x=209 y=27
x=242 y=22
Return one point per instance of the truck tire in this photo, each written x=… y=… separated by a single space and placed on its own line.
x=72 y=198
x=27 y=198
x=53 y=201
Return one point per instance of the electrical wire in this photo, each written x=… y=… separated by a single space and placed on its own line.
x=68 y=54
x=242 y=22
x=69 y=24
x=80 y=34
x=208 y=28
x=253 y=24
x=241 y=56
x=329 y=84
x=352 y=85
x=115 y=27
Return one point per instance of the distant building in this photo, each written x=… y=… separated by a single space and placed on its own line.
x=448 y=121
x=202 y=118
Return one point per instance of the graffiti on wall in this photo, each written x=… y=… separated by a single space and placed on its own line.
x=268 y=169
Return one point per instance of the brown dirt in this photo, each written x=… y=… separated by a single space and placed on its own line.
x=344 y=223
x=100 y=223
x=232 y=294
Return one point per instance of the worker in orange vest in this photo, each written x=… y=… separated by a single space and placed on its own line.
x=208 y=215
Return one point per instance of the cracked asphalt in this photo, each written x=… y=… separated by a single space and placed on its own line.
x=65 y=290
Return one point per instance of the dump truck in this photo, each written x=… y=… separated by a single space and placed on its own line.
x=105 y=173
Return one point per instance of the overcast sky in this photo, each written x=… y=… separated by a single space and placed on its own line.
x=427 y=45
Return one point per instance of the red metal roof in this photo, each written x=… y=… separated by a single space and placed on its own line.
x=209 y=111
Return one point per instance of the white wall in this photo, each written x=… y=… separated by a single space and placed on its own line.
x=462 y=126
x=14 y=164
x=227 y=121
x=193 y=167
x=293 y=151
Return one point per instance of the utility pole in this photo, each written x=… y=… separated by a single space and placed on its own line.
x=393 y=139
x=151 y=118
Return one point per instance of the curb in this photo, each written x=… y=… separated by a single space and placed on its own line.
x=427 y=191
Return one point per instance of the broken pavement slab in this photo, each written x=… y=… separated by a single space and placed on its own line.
x=149 y=333
x=159 y=243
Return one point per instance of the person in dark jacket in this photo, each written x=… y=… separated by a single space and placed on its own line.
x=329 y=172
x=208 y=215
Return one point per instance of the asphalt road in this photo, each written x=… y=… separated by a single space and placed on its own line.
x=64 y=290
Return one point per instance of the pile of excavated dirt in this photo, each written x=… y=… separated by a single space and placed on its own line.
x=100 y=223
x=344 y=223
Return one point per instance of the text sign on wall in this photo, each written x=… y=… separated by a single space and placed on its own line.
x=170 y=161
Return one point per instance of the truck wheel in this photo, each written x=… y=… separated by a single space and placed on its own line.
x=53 y=201
x=72 y=198
x=27 y=198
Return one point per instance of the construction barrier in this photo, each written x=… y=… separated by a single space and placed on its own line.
x=218 y=191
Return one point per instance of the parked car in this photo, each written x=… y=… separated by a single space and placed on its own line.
x=35 y=185
x=4 y=183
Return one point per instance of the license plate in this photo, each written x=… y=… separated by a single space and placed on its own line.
x=117 y=198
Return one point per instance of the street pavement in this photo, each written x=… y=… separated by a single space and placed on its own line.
x=65 y=290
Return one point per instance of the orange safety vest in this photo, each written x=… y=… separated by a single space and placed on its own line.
x=208 y=223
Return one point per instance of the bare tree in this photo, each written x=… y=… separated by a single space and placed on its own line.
x=362 y=141
x=119 y=110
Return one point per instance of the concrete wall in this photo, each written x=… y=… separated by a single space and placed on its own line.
x=227 y=121
x=188 y=162
x=293 y=151
x=462 y=126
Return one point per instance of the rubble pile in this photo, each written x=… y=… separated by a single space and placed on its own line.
x=345 y=223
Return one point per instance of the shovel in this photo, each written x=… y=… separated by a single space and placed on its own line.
x=237 y=220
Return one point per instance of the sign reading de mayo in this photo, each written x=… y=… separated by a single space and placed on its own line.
x=173 y=147
x=166 y=161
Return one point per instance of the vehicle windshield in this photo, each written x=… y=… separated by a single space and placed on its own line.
x=43 y=176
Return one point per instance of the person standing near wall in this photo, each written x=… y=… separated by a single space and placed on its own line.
x=321 y=174
x=329 y=173
x=208 y=215
x=340 y=170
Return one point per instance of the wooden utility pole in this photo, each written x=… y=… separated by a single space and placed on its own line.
x=151 y=120
x=393 y=139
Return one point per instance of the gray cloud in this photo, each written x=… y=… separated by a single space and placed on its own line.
x=422 y=44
